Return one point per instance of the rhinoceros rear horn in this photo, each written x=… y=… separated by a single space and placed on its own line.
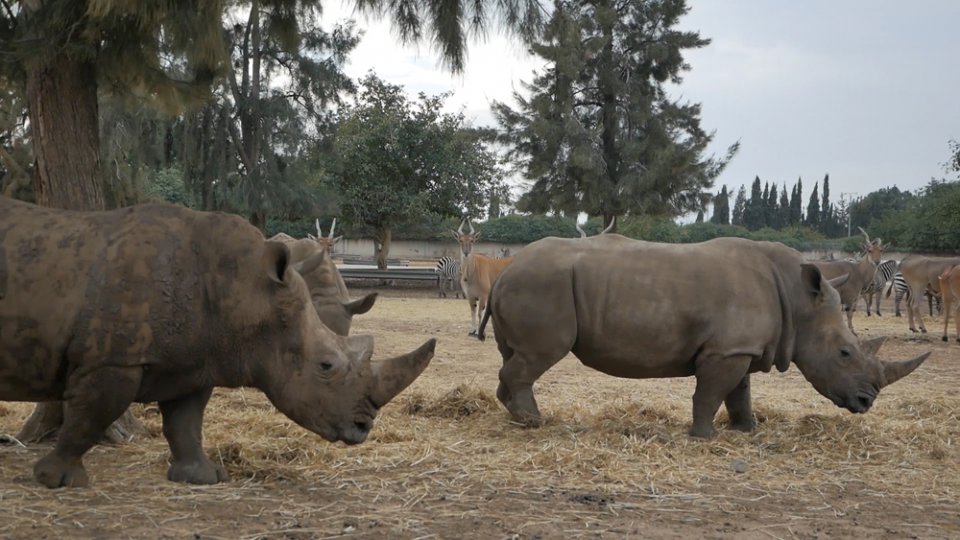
x=838 y=281
x=391 y=376
x=871 y=346
x=310 y=264
x=361 y=305
x=894 y=371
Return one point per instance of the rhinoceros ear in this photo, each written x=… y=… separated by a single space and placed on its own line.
x=362 y=305
x=276 y=258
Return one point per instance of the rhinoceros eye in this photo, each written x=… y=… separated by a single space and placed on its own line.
x=845 y=353
x=326 y=366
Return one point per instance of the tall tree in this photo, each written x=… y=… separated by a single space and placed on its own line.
x=598 y=132
x=813 y=209
x=753 y=213
x=783 y=212
x=400 y=162
x=721 y=208
x=827 y=222
x=739 y=207
x=796 y=203
x=773 y=213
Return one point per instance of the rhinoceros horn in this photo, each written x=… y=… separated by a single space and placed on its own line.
x=894 y=371
x=391 y=376
x=871 y=346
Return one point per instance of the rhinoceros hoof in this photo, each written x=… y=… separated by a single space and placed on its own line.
x=923 y=330
x=528 y=420
x=54 y=472
x=197 y=472
x=745 y=427
x=702 y=433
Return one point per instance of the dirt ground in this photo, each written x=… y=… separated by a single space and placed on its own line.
x=612 y=461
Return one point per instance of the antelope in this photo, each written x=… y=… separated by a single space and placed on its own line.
x=477 y=272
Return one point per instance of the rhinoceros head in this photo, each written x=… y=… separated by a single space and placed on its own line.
x=841 y=368
x=325 y=382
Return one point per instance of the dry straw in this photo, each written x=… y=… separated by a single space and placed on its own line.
x=613 y=456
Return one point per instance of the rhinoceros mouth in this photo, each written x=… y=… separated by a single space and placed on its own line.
x=860 y=402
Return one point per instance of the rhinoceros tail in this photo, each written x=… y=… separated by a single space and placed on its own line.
x=481 y=335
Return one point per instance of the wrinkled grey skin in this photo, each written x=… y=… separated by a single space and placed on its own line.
x=718 y=311
x=160 y=303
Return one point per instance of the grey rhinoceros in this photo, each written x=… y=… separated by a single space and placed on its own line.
x=719 y=311
x=161 y=303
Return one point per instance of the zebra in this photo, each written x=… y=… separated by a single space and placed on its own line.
x=874 y=289
x=899 y=285
x=448 y=277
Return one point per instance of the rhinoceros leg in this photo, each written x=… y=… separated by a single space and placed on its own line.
x=739 y=408
x=183 y=428
x=717 y=378
x=93 y=401
x=516 y=385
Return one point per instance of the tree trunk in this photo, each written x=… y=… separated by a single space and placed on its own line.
x=381 y=248
x=62 y=103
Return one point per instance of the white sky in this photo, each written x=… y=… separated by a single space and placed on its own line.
x=865 y=90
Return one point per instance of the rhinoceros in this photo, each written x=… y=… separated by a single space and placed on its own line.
x=161 y=303
x=328 y=292
x=719 y=311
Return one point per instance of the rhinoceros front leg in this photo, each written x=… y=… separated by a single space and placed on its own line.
x=93 y=401
x=717 y=379
x=183 y=429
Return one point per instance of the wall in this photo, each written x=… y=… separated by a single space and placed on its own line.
x=419 y=250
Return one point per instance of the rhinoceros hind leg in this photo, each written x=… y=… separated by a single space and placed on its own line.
x=183 y=429
x=717 y=378
x=739 y=408
x=96 y=399
x=515 y=391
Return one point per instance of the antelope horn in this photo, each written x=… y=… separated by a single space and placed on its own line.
x=581 y=231
x=471 y=227
x=332 y=227
x=316 y=222
x=609 y=228
x=460 y=229
x=894 y=371
x=867 y=236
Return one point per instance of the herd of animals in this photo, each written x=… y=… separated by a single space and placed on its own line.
x=162 y=303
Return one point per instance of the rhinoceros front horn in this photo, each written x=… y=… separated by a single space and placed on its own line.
x=894 y=371
x=391 y=376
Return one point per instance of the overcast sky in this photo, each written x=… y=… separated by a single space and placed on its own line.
x=865 y=90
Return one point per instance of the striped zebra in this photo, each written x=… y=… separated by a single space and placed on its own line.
x=874 y=289
x=448 y=277
x=902 y=290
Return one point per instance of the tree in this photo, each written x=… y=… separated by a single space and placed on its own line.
x=753 y=213
x=783 y=214
x=827 y=225
x=699 y=216
x=813 y=209
x=721 y=208
x=773 y=213
x=399 y=162
x=796 y=204
x=739 y=208
x=598 y=132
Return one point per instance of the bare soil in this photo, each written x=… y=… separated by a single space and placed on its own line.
x=612 y=461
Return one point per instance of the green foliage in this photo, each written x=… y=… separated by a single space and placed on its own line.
x=519 y=229
x=596 y=141
x=400 y=162
x=166 y=185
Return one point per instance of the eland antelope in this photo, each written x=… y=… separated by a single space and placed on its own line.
x=477 y=273
x=861 y=273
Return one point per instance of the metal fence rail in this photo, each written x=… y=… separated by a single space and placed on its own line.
x=417 y=274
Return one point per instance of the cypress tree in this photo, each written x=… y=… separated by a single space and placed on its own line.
x=813 y=209
x=739 y=207
x=784 y=210
x=753 y=213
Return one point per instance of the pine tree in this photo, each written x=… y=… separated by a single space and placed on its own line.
x=773 y=213
x=753 y=213
x=827 y=222
x=813 y=209
x=765 y=199
x=739 y=207
x=783 y=212
x=721 y=208
x=796 y=204
x=595 y=140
